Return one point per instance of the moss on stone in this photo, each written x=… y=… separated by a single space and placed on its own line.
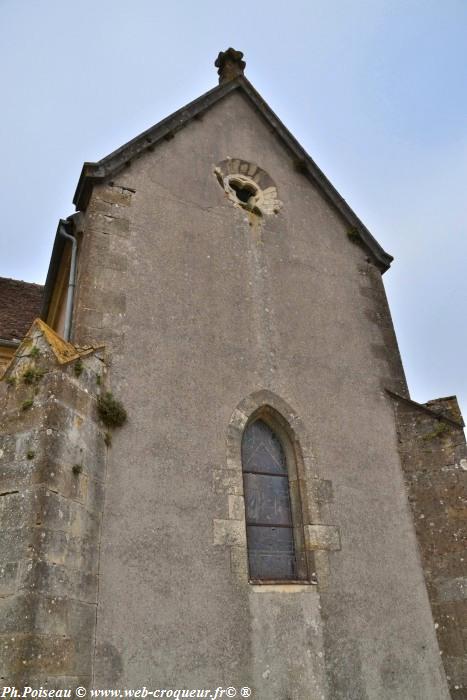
x=78 y=368
x=111 y=411
x=32 y=375
x=353 y=234
x=439 y=431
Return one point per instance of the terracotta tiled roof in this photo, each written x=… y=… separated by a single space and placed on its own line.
x=20 y=304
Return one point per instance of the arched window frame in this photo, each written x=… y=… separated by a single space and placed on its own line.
x=314 y=494
x=294 y=463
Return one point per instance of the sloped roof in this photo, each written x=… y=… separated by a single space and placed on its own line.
x=110 y=165
x=63 y=351
x=20 y=303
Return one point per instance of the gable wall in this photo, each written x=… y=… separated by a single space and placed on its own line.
x=200 y=309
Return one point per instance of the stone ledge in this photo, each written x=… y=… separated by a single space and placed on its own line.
x=53 y=579
x=54 y=546
x=322 y=537
x=8 y=578
x=239 y=563
x=236 y=507
x=227 y=481
x=451 y=589
x=46 y=615
x=307 y=588
x=33 y=652
x=456 y=669
x=229 y=532
x=53 y=682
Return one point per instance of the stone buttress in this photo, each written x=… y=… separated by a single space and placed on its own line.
x=52 y=465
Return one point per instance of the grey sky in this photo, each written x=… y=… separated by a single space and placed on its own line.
x=375 y=90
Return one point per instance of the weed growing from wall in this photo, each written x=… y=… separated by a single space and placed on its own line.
x=111 y=411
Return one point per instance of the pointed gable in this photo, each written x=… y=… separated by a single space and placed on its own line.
x=47 y=342
x=108 y=167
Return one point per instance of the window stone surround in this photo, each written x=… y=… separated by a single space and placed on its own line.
x=314 y=493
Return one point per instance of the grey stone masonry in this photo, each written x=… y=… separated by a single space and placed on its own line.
x=434 y=457
x=202 y=305
x=52 y=465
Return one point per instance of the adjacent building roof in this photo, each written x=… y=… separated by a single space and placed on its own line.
x=20 y=304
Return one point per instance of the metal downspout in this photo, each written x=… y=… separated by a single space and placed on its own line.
x=71 y=281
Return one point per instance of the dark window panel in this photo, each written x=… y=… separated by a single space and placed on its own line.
x=270 y=539
x=271 y=553
x=267 y=499
x=261 y=450
x=270 y=534
x=265 y=566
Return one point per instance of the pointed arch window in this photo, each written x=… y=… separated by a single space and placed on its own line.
x=273 y=520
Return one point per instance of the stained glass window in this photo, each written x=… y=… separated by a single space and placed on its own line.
x=271 y=550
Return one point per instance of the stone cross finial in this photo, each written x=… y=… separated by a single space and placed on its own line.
x=229 y=64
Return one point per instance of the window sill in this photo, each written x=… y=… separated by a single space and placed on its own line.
x=281 y=582
x=283 y=587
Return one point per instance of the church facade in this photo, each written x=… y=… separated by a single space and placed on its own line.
x=251 y=523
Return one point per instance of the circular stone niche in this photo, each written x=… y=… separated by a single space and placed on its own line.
x=248 y=186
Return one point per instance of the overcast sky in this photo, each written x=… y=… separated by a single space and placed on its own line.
x=375 y=90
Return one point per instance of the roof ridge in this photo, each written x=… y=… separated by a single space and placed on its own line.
x=13 y=279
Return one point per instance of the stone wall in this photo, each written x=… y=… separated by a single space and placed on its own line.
x=6 y=353
x=102 y=282
x=434 y=458
x=52 y=464
x=202 y=304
